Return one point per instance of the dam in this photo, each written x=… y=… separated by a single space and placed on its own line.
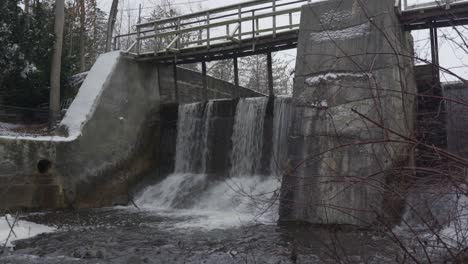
x=364 y=159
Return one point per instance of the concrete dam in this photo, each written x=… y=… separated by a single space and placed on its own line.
x=340 y=151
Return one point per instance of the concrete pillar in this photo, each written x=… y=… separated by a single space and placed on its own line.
x=350 y=82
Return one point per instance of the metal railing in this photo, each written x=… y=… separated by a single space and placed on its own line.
x=231 y=24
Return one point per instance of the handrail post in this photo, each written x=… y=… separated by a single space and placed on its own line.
x=208 y=30
x=274 y=19
x=240 y=23
x=178 y=34
x=156 y=40
x=290 y=20
x=253 y=24
x=258 y=25
x=138 y=40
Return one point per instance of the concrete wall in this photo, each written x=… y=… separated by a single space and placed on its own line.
x=190 y=86
x=457 y=118
x=108 y=141
x=341 y=172
x=117 y=145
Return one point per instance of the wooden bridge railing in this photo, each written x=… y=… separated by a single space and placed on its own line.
x=429 y=4
x=224 y=25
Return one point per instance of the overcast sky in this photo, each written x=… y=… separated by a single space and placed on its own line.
x=450 y=56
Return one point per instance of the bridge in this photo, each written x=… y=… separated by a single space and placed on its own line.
x=261 y=27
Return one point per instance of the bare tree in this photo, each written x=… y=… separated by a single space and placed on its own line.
x=82 y=11
x=111 y=23
x=57 y=61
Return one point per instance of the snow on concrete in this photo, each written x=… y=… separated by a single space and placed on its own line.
x=333 y=76
x=89 y=94
x=84 y=105
x=21 y=230
x=335 y=16
x=341 y=34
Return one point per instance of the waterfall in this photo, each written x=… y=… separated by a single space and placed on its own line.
x=244 y=195
x=247 y=138
x=193 y=124
x=281 y=123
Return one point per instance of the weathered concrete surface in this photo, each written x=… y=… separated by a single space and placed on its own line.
x=457 y=118
x=190 y=85
x=117 y=145
x=350 y=84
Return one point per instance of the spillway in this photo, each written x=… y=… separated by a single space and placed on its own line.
x=244 y=193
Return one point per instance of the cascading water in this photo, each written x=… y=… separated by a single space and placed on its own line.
x=247 y=138
x=193 y=125
x=281 y=122
x=242 y=196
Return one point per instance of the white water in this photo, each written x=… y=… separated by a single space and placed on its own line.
x=242 y=198
x=234 y=202
x=193 y=125
x=247 y=138
x=281 y=124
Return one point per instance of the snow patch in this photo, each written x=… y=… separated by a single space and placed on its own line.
x=335 y=16
x=333 y=76
x=21 y=230
x=341 y=34
x=88 y=96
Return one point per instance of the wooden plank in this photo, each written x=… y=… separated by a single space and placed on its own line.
x=216 y=10
x=222 y=23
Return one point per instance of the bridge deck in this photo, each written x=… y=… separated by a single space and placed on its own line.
x=435 y=15
x=258 y=27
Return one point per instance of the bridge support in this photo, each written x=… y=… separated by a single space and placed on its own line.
x=349 y=103
x=435 y=53
x=236 y=78
x=204 y=81
x=271 y=92
x=176 y=86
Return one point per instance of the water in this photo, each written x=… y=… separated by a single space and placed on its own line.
x=193 y=125
x=247 y=137
x=242 y=197
x=281 y=124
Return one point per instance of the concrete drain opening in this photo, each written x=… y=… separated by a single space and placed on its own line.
x=44 y=166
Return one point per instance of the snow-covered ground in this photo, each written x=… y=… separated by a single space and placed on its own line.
x=21 y=230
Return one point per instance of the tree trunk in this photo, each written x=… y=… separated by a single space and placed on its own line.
x=26 y=6
x=82 y=34
x=54 y=107
x=111 y=23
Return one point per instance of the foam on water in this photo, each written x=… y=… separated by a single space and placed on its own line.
x=243 y=197
x=234 y=202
